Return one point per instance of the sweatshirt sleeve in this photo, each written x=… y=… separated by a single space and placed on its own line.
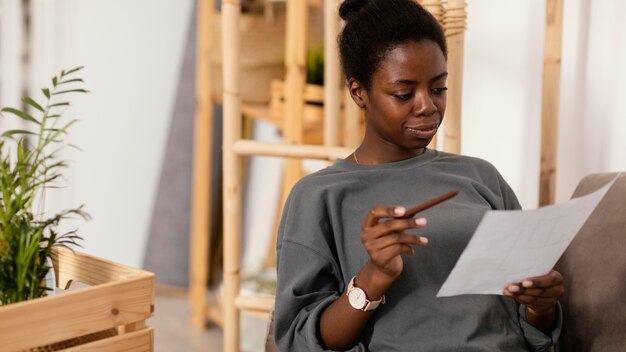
x=508 y=196
x=309 y=278
x=536 y=339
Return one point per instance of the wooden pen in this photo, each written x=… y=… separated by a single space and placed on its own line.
x=429 y=204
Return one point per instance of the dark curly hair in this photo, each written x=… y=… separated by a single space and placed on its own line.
x=373 y=27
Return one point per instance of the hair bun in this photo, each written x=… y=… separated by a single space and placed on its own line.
x=350 y=7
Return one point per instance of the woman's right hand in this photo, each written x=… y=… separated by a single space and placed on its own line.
x=384 y=238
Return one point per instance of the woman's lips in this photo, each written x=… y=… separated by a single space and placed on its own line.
x=423 y=131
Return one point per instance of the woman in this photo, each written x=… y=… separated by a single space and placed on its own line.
x=352 y=273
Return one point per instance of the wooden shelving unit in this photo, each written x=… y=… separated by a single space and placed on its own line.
x=295 y=118
x=291 y=112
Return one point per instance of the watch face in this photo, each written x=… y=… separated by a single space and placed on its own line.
x=357 y=298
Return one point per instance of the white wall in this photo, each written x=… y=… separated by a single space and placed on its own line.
x=132 y=52
x=593 y=109
x=11 y=46
x=502 y=89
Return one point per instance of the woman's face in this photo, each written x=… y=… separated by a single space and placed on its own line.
x=406 y=100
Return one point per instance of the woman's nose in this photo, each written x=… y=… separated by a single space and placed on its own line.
x=424 y=104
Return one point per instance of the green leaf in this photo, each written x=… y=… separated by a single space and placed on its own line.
x=74 y=146
x=46 y=92
x=74 y=70
x=71 y=91
x=58 y=104
x=10 y=133
x=71 y=80
x=59 y=164
x=32 y=103
x=21 y=115
x=54 y=81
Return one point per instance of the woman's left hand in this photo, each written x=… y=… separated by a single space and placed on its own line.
x=540 y=295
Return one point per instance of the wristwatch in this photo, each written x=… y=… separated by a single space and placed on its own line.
x=358 y=298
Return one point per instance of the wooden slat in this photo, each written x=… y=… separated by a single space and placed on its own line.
x=214 y=314
x=456 y=42
x=454 y=19
x=258 y=307
x=139 y=341
x=261 y=112
x=232 y=188
x=201 y=196
x=550 y=100
x=76 y=313
x=295 y=84
x=132 y=327
x=297 y=151
x=75 y=266
x=255 y=303
x=332 y=74
x=295 y=65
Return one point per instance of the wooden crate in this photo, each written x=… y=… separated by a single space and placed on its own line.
x=107 y=315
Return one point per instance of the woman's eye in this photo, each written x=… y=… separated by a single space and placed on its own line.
x=403 y=97
x=440 y=91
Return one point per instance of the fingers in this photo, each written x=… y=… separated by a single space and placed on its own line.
x=386 y=240
x=379 y=212
x=554 y=292
x=378 y=235
x=553 y=278
x=537 y=292
x=538 y=283
x=392 y=226
x=395 y=238
x=400 y=238
x=373 y=227
x=384 y=255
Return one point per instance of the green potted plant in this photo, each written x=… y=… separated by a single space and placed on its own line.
x=29 y=164
x=315 y=64
x=110 y=308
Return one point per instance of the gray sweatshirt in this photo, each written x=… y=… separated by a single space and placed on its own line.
x=319 y=251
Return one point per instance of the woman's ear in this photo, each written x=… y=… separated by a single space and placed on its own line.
x=358 y=92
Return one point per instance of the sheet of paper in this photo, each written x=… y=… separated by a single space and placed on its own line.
x=509 y=246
